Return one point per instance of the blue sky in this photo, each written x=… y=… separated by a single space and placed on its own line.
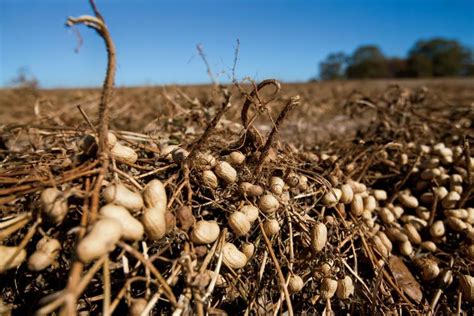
x=156 y=40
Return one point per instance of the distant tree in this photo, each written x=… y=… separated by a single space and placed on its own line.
x=333 y=66
x=367 y=62
x=397 y=67
x=435 y=57
x=438 y=57
x=468 y=69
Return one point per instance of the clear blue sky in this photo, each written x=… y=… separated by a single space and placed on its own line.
x=156 y=40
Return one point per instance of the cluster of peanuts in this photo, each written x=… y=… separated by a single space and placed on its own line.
x=55 y=207
x=421 y=217
x=130 y=216
x=437 y=212
x=265 y=202
x=126 y=215
x=116 y=221
x=418 y=219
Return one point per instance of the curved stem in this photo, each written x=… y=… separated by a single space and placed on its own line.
x=254 y=136
x=98 y=24
x=294 y=101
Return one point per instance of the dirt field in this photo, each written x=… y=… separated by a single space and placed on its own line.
x=321 y=114
x=355 y=198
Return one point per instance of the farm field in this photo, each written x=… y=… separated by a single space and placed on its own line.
x=139 y=109
x=356 y=197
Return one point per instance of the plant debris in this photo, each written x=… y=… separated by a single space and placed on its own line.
x=206 y=215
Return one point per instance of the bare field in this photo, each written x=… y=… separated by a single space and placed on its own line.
x=354 y=198
x=320 y=115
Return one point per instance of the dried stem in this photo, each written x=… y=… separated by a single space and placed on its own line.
x=200 y=50
x=253 y=135
x=281 y=277
x=78 y=266
x=211 y=126
x=71 y=295
x=106 y=275
x=470 y=188
x=98 y=24
x=293 y=102
x=149 y=265
x=14 y=225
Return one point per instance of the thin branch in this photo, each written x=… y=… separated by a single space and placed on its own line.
x=200 y=50
x=293 y=102
x=236 y=57
x=253 y=134
x=96 y=11
x=211 y=126
x=168 y=291
x=281 y=277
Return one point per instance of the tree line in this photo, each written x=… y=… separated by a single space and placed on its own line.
x=435 y=57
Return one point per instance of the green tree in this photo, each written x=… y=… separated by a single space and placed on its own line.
x=438 y=57
x=367 y=62
x=333 y=66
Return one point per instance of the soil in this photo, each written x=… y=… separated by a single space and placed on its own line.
x=320 y=116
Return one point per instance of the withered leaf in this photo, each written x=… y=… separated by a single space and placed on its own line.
x=405 y=279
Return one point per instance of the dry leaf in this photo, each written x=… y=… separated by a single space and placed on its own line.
x=405 y=279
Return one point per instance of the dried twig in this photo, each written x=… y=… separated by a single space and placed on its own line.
x=294 y=101
x=281 y=277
